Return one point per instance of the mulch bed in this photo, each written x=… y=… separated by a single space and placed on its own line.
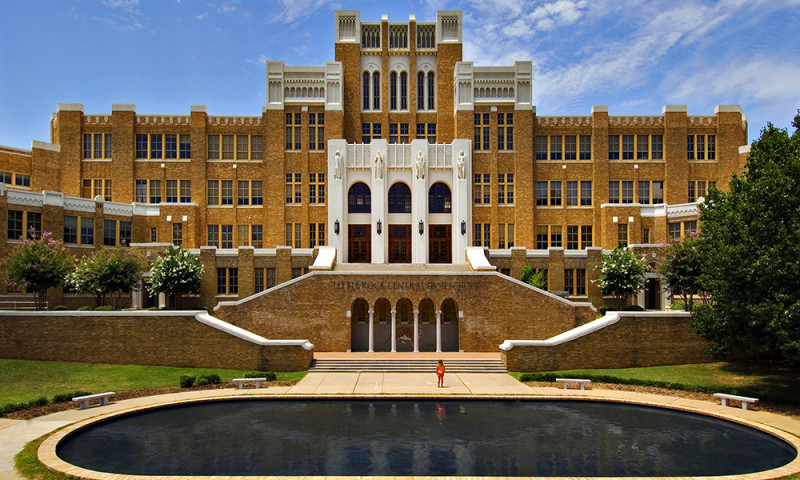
x=145 y=392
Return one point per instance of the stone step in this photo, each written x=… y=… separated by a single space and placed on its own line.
x=407 y=365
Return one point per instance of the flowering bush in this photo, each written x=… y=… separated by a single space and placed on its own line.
x=107 y=272
x=38 y=264
x=679 y=265
x=621 y=274
x=176 y=272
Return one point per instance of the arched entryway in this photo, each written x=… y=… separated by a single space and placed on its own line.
x=427 y=326
x=449 y=325
x=404 y=326
x=382 y=326
x=359 y=245
x=440 y=236
x=359 y=327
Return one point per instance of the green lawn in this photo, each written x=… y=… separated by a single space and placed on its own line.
x=774 y=381
x=24 y=380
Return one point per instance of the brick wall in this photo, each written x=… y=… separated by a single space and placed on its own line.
x=140 y=338
x=636 y=340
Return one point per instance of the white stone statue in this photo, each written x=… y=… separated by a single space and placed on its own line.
x=460 y=165
x=419 y=165
x=379 y=165
x=337 y=165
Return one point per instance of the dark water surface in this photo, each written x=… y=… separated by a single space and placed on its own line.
x=422 y=437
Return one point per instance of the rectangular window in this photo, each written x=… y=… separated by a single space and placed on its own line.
x=288 y=238
x=689 y=227
x=572 y=237
x=213 y=147
x=555 y=235
x=226 y=192
x=569 y=281
x=316 y=131
x=242 y=147
x=243 y=192
x=70 y=229
x=124 y=233
x=585 y=147
x=227 y=281
x=186 y=191
x=482 y=189
x=541 y=193
x=586 y=236
x=15 y=224
x=141 y=145
x=293 y=131
x=87 y=231
x=213 y=192
x=701 y=147
x=506 y=238
x=658 y=192
x=622 y=234
x=541 y=147
x=542 y=236
x=487 y=235
x=296 y=272
x=644 y=192
x=33 y=222
x=155 y=191
x=185 y=146
x=227 y=147
x=572 y=194
x=477 y=240
x=172 y=191
x=109 y=232
x=298 y=237
x=316 y=188
x=256 y=147
x=270 y=277
x=213 y=236
x=243 y=236
x=153 y=234
x=258 y=280
x=627 y=147
x=642 y=147
x=586 y=193
x=257 y=236
x=293 y=188
x=657 y=147
x=256 y=192
x=580 y=281
x=555 y=194
x=555 y=147
x=505 y=188
x=674 y=231
x=690 y=147
x=613 y=147
x=170 y=146
x=712 y=147
x=226 y=236
x=505 y=131
x=316 y=232
x=156 y=145
x=645 y=235
x=141 y=191
x=570 y=147
x=627 y=191
x=177 y=234
x=21 y=180
x=87 y=145
x=613 y=191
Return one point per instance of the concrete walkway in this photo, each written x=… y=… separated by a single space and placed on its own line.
x=14 y=434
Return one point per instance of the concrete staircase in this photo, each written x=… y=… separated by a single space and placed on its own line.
x=466 y=365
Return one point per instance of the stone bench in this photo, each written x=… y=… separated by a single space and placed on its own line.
x=240 y=381
x=746 y=401
x=84 y=400
x=580 y=381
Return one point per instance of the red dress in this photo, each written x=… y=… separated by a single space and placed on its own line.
x=440 y=370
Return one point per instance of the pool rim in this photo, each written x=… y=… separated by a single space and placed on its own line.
x=48 y=457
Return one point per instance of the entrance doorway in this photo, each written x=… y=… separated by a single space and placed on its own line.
x=399 y=243
x=439 y=245
x=358 y=244
x=652 y=294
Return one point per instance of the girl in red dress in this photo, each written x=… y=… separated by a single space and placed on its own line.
x=440 y=373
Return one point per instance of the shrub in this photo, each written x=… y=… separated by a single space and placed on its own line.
x=187 y=381
x=270 y=376
x=633 y=308
x=13 y=407
x=212 y=379
x=85 y=307
x=678 y=306
x=60 y=307
x=104 y=308
x=67 y=397
x=603 y=310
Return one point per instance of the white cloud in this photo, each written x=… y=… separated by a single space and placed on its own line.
x=127 y=5
x=294 y=10
x=201 y=16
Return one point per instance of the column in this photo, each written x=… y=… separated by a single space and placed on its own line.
x=416 y=330
x=371 y=335
x=394 y=332
x=438 y=330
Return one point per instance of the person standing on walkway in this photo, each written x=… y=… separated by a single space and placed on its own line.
x=440 y=373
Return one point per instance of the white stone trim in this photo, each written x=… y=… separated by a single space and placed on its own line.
x=673 y=109
x=205 y=318
x=123 y=107
x=45 y=146
x=69 y=107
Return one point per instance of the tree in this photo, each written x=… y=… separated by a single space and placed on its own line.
x=108 y=271
x=680 y=266
x=752 y=237
x=529 y=276
x=621 y=275
x=38 y=264
x=174 y=273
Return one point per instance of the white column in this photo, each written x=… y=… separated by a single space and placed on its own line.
x=416 y=330
x=394 y=330
x=438 y=330
x=371 y=334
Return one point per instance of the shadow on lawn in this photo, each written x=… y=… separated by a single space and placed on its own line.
x=775 y=380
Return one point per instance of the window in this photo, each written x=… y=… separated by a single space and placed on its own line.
x=399 y=198
x=545 y=233
x=690 y=147
x=586 y=193
x=555 y=193
x=358 y=199
x=250 y=192
x=213 y=236
x=257 y=141
x=297 y=238
x=422 y=95
x=505 y=188
x=542 y=237
x=627 y=147
x=613 y=147
x=644 y=192
x=505 y=131
x=622 y=234
x=657 y=192
x=186 y=191
x=572 y=237
x=226 y=236
x=376 y=91
x=213 y=192
x=572 y=194
x=365 y=91
x=258 y=280
x=699 y=188
x=645 y=235
x=156 y=146
x=21 y=180
x=624 y=187
x=482 y=235
x=398 y=133
x=689 y=227
x=70 y=229
x=96 y=145
x=87 y=231
x=541 y=147
x=712 y=147
x=185 y=146
x=170 y=146
x=398 y=91
x=242 y=147
x=94 y=187
x=15 y=223
x=613 y=192
x=293 y=131
x=370 y=131
x=297 y=272
x=575 y=281
x=555 y=235
x=155 y=191
x=141 y=145
x=674 y=231
x=482 y=189
x=439 y=198
x=213 y=147
x=316 y=131
x=371 y=90
x=431 y=132
x=270 y=277
x=481 y=140
x=701 y=147
x=109 y=232
x=570 y=147
x=316 y=188
x=177 y=234
x=5 y=177
x=656 y=147
x=393 y=91
x=172 y=191
x=642 y=147
x=153 y=234
x=542 y=191
x=227 y=147
x=627 y=192
x=227 y=281
x=316 y=233
x=555 y=147
x=586 y=236
x=506 y=235
x=585 y=147
x=294 y=194
x=124 y=233
x=257 y=236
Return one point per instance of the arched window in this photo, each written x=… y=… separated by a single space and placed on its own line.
x=376 y=91
x=403 y=91
x=393 y=91
x=439 y=198
x=359 y=199
x=365 y=92
x=420 y=91
x=399 y=198
x=431 y=90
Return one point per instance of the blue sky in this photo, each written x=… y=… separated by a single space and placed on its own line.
x=166 y=55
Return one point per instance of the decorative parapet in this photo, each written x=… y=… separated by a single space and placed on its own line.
x=147 y=209
x=494 y=85
x=358 y=155
x=348 y=26
x=86 y=205
x=626 y=120
x=440 y=156
x=546 y=121
x=162 y=119
x=321 y=84
x=22 y=197
x=118 y=209
x=702 y=120
x=683 y=210
x=234 y=120
x=426 y=36
x=398 y=156
x=96 y=120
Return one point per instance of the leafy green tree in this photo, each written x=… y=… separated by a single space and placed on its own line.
x=621 y=275
x=529 y=276
x=752 y=237
x=108 y=272
x=174 y=273
x=38 y=264
x=680 y=267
